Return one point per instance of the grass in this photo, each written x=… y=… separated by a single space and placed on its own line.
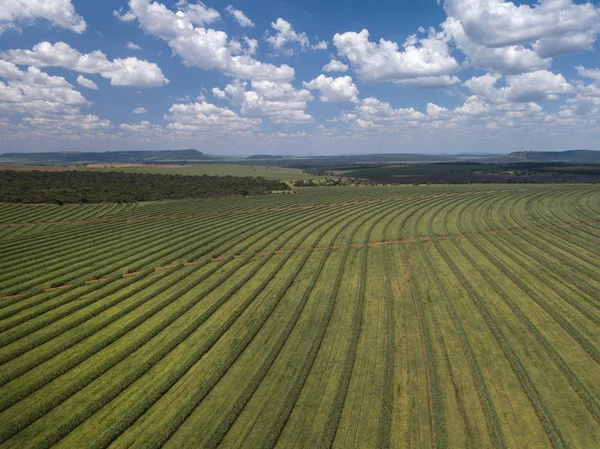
x=371 y=317
x=280 y=173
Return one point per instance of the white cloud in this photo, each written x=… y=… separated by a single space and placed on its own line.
x=430 y=82
x=58 y=125
x=208 y=118
x=286 y=39
x=585 y=106
x=509 y=59
x=279 y=101
x=130 y=72
x=218 y=93
x=60 y=13
x=515 y=42
x=84 y=82
x=497 y=23
x=239 y=17
x=198 y=13
x=473 y=106
x=9 y=71
x=144 y=131
x=132 y=46
x=286 y=35
x=334 y=90
x=202 y=47
x=123 y=16
x=235 y=47
x=144 y=125
x=322 y=45
x=34 y=92
x=501 y=36
x=589 y=73
x=384 y=61
x=139 y=111
x=527 y=87
x=44 y=108
x=552 y=46
x=251 y=45
x=375 y=111
x=335 y=66
x=56 y=132
x=373 y=118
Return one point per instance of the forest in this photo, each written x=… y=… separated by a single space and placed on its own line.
x=116 y=187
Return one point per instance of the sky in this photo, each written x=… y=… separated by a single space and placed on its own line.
x=302 y=77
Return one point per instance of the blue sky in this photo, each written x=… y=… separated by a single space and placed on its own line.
x=301 y=77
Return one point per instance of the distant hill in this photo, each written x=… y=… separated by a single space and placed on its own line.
x=264 y=156
x=354 y=160
x=107 y=156
x=572 y=156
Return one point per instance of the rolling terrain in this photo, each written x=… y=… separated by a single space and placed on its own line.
x=370 y=317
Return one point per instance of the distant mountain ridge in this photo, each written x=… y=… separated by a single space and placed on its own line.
x=192 y=155
x=264 y=156
x=572 y=156
x=110 y=156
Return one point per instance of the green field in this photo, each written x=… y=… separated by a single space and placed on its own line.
x=280 y=173
x=454 y=316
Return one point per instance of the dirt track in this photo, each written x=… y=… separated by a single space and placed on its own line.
x=321 y=248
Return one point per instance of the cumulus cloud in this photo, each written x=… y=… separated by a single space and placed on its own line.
x=123 y=16
x=60 y=125
x=372 y=117
x=335 y=66
x=515 y=43
x=84 y=82
x=430 y=82
x=44 y=107
x=130 y=72
x=239 y=17
x=509 y=59
x=526 y=87
x=140 y=128
x=206 y=117
x=585 y=106
x=588 y=73
x=286 y=39
x=334 y=90
x=201 y=47
x=384 y=61
x=279 y=101
x=218 y=93
x=285 y=35
x=197 y=13
x=501 y=36
x=251 y=45
x=374 y=111
x=35 y=92
x=497 y=23
x=60 y=13
x=322 y=45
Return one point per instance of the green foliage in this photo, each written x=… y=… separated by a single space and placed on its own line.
x=104 y=187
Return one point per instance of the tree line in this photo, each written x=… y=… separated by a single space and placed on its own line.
x=117 y=187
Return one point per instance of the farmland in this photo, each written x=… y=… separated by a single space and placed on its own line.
x=454 y=316
x=279 y=173
x=212 y=169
